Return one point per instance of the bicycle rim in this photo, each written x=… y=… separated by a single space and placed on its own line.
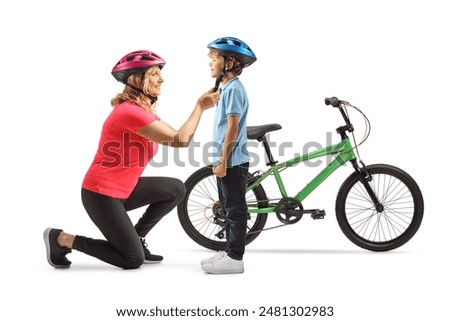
x=200 y=213
x=400 y=218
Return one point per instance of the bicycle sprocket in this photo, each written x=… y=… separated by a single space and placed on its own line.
x=289 y=210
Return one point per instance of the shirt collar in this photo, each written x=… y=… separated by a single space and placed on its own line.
x=222 y=88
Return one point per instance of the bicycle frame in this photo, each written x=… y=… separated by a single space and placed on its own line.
x=344 y=151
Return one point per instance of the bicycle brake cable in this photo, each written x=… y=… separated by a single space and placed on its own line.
x=368 y=127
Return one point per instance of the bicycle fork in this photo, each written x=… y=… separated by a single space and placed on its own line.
x=365 y=178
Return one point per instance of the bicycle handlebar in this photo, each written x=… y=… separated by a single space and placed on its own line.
x=333 y=101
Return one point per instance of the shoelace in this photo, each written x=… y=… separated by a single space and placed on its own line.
x=219 y=257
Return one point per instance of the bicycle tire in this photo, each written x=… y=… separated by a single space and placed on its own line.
x=196 y=211
x=396 y=224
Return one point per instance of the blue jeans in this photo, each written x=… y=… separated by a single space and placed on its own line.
x=232 y=201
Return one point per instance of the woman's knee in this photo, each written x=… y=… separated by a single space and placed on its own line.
x=132 y=266
x=133 y=262
x=133 y=259
x=178 y=189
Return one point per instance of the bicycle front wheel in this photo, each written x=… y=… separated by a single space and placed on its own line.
x=402 y=209
x=202 y=218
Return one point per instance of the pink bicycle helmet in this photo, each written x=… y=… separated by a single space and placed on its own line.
x=136 y=62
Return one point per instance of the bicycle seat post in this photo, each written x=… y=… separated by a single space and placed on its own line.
x=271 y=161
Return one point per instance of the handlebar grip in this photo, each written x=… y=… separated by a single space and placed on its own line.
x=333 y=101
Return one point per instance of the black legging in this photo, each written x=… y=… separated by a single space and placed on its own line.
x=123 y=247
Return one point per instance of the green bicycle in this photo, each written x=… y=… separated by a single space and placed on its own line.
x=378 y=207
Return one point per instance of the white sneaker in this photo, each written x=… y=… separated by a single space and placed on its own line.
x=224 y=265
x=213 y=258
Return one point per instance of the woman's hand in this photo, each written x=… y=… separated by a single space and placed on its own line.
x=208 y=99
x=162 y=133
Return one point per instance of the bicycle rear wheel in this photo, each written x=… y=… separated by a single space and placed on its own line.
x=201 y=217
x=396 y=224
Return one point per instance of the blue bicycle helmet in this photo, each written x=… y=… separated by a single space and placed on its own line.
x=234 y=47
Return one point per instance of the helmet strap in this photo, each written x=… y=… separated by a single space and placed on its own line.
x=219 y=80
x=222 y=74
x=152 y=99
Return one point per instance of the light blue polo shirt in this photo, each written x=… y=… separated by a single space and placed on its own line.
x=233 y=101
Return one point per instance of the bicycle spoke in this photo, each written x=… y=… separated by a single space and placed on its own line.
x=396 y=216
x=203 y=190
x=201 y=212
x=197 y=205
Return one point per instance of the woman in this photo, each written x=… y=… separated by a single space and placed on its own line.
x=113 y=184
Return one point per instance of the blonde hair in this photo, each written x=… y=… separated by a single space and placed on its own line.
x=130 y=94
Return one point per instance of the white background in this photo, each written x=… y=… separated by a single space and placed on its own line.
x=390 y=58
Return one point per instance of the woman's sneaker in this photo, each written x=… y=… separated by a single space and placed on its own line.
x=56 y=254
x=224 y=265
x=213 y=258
x=150 y=258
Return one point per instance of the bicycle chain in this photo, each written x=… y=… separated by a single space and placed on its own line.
x=269 y=228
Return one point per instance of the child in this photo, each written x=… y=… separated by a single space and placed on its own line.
x=230 y=157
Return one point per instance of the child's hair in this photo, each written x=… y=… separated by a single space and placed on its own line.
x=237 y=68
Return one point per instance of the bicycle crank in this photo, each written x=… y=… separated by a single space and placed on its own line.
x=289 y=210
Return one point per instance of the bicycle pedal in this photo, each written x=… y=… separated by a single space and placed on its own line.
x=318 y=215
